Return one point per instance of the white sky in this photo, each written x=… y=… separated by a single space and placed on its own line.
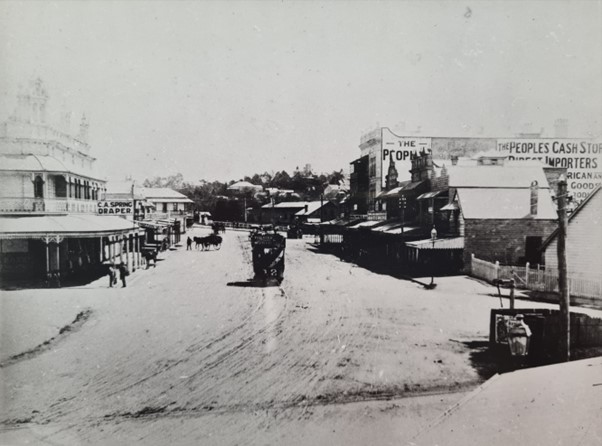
x=218 y=90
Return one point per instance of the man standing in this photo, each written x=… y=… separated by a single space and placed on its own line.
x=189 y=244
x=123 y=273
x=112 y=275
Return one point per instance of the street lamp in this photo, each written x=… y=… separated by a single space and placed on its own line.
x=519 y=335
x=433 y=238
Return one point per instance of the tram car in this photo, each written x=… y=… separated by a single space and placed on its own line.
x=268 y=257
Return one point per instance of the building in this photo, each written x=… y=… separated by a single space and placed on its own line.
x=583 y=240
x=283 y=213
x=50 y=227
x=384 y=154
x=317 y=211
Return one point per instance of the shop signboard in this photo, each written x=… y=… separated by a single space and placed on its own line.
x=122 y=207
x=399 y=152
x=581 y=157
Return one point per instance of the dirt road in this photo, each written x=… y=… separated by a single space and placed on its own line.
x=188 y=353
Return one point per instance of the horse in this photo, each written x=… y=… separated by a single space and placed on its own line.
x=198 y=241
x=208 y=241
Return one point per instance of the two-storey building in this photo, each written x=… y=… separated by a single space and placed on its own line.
x=49 y=227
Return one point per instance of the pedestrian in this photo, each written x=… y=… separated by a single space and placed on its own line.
x=112 y=275
x=123 y=273
x=189 y=244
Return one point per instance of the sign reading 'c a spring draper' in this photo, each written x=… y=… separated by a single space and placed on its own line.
x=105 y=207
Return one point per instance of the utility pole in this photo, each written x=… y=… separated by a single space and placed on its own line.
x=563 y=284
x=321 y=219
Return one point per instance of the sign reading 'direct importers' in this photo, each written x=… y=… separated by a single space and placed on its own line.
x=115 y=207
x=582 y=158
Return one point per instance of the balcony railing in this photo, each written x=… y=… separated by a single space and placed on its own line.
x=46 y=206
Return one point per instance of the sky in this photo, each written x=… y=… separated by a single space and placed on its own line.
x=220 y=90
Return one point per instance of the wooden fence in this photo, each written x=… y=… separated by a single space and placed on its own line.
x=537 y=279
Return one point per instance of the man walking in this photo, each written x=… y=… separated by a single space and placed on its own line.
x=189 y=244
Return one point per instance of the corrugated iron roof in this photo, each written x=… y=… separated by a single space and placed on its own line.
x=440 y=243
x=65 y=225
x=492 y=203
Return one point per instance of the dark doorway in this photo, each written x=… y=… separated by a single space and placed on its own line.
x=533 y=250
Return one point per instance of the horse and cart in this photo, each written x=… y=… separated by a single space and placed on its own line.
x=268 y=257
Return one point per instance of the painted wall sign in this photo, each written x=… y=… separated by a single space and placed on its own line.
x=400 y=150
x=582 y=159
x=105 y=207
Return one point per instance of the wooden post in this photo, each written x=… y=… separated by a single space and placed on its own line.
x=127 y=252
x=563 y=283
x=527 y=274
x=512 y=294
x=47 y=242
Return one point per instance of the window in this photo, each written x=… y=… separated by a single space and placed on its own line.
x=38 y=187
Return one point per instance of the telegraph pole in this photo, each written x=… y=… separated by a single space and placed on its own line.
x=563 y=284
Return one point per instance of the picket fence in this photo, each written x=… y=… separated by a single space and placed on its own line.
x=537 y=279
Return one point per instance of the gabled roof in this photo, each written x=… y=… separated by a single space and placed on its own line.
x=162 y=194
x=285 y=205
x=578 y=209
x=504 y=204
x=312 y=206
x=244 y=185
x=497 y=176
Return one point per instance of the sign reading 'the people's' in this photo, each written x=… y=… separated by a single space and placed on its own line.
x=582 y=158
x=105 y=207
x=398 y=152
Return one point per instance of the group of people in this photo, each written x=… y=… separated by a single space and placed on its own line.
x=123 y=273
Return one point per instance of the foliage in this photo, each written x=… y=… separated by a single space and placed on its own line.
x=228 y=205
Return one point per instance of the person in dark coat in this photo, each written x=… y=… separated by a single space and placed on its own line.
x=189 y=244
x=123 y=273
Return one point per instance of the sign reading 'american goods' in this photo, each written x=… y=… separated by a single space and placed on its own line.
x=105 y=207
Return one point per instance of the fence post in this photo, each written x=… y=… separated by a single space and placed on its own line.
x=471 y=263
x=497 y=269
x=527 y=274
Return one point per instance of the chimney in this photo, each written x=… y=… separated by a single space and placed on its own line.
x=534 y=194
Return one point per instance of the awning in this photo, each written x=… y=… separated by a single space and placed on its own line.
x=440 y=243
x=387 y=226
x=397 y=231
x=152 y=225
x=80 y=226
x=453 y=206
x=365 y=224
x=428 y=195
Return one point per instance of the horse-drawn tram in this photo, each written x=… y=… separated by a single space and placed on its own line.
x=268 y=257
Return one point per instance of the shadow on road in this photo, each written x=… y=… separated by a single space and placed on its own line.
x=482 y=358
x=253 y=283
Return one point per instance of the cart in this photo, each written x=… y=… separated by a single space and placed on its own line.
x=268 y=257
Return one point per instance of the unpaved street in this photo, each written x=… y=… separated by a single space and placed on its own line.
x=188 y=353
